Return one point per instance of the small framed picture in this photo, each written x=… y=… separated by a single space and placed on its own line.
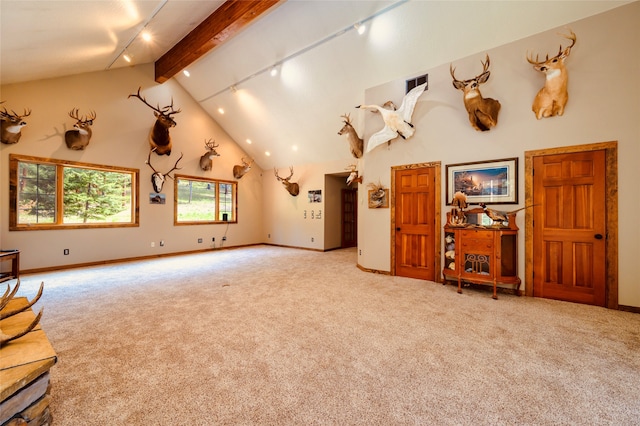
x=378 y=199
x=155 y=198
x=315 y=196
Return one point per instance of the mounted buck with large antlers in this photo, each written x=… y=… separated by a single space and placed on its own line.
x=291 y=187
x=12 y=125
x=206 y=160
x=159 y=138
x=553 y=97
x=483 y=112
x=79 y=138
x=356 y=144
x=241 y=170
x=157 y=178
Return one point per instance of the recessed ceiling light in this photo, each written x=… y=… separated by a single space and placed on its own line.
x=294 y=147
x=146 y=36
x=186 y=73
x=267 y=153
x=249 y=141
x=126 y=57
x=274 y=71
x=360 y=28
x=221 y=110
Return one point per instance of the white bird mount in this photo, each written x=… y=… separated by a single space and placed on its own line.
x=396 y=122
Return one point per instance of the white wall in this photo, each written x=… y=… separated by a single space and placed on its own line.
x=293 y=221
x=120 y=139
x=604 y=105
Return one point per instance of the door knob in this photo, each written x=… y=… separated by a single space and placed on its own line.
x=397 y=229
x=598 y=236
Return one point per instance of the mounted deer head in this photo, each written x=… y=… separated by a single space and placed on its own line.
x=291 y=187
x=356 y=144
x=6 y=312
x=353 y=176
x=206 y=161
x=241 y=170
x=483 y=112
x=159 y=138
x=553 y=97
x=12 y=125
x=79 y=138
x=157 y=178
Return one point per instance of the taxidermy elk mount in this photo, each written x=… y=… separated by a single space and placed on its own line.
x=78 y=138
x=483 y=112
x=5 y=300
x=157 y=178
x=206 y=161
x=396 y=122
x=241 y=170
x=356 y=144
x=12 y=125
x=159 y=138
x=553 y=97
x=291 y=187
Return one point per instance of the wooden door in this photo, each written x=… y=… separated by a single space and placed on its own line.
x=569 y=227
x=415 y=223
x=349 y=211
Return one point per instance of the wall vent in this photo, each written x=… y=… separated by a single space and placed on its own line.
x=413 y=82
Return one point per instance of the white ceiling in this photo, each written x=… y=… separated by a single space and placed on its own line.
x=328 y=65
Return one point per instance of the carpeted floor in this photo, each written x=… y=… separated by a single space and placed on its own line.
x=276 y=336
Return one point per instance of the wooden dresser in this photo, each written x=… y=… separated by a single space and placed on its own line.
x=481 y=254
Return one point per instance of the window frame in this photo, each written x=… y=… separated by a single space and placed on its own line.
x=216 y=182
x=15 y=159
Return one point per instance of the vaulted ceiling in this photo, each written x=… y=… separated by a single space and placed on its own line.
x=324 y=65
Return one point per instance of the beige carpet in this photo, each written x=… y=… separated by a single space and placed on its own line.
x=276 y=336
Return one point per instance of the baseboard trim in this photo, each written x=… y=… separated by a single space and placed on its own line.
x=129 y=259
x=633 y=309
x=373 y=271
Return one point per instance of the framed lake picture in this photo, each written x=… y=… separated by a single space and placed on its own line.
x=489 y=182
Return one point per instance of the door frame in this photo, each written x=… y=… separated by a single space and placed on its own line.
x=611 y=208
x=437 y=232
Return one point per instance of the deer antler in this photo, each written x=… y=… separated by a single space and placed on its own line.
x=210 y=144
x=166 y=111
x=14 y=115
x=284 y=179
x=347 y=118
x=74 y=113
x=139 y=96
x=148 y=162
x=175 y=166
x=561 y=53
x=6 y=298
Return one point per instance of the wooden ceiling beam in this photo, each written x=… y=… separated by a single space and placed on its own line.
x=225 y=22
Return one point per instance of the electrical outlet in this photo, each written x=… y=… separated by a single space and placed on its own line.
x=153 y=244
x=161 y=243
x=268 y=235
x=213 y=239
x=360 y=252
x=199 y=240
x=311 y=239
x=224 y=238
x=66 y=252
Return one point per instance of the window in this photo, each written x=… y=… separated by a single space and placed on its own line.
x=201 y=200
x=52 y=194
